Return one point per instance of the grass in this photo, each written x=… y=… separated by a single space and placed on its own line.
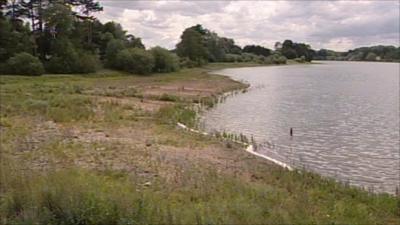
x=112 y=155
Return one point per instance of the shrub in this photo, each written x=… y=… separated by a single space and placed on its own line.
x=24 y=64
x=232 y=58
x=73 y=62
x=275 y=59
x=135 y=60
x=185 y=62
x=88 y=63
x=114 y=46
x=164 y=61
x=249 y=57
x=302 y=59
x=65 y=63
x=3 y=68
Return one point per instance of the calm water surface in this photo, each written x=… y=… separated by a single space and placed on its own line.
x=345 y=117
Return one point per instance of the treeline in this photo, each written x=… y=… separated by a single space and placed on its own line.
x=374 y=53
x=63 y=36
x=199 y=45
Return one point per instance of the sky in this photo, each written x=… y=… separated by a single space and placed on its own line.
x=336 y=25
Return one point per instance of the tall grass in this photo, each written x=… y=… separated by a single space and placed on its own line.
x=201 y=196
x=177 y=113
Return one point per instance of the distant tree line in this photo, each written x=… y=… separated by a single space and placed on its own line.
x=199 y=45
x=374 y=53
x=63 y=36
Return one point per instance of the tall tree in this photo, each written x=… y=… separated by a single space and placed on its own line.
x=192 y=45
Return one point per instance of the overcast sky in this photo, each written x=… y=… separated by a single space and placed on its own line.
x=337 y=25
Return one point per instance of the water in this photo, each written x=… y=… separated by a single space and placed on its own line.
x=345 y=118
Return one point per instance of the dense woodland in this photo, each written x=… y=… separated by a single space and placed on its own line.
x=63 y=36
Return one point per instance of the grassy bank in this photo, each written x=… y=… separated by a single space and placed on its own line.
x=104 y=149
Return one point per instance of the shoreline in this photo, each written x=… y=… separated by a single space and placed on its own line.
x=250 y=148
x=111 y=141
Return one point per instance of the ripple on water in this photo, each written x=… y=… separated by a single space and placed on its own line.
x=344 y=115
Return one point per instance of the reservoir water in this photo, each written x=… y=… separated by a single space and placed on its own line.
x=344 y=115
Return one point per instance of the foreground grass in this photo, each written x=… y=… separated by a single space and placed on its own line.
x=143 y=170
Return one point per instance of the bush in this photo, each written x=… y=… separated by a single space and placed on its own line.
x=301 y=59
x=135 y=60
x=232 y=58
x=73 y=62
x=3 y=68
x=249 y=57
x=88 y=63
x=185 y=62
x=276 y=59
x=24 y=64
x=164 y=61
x=114 y=46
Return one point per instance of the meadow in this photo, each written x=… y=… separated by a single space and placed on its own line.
x=104 y=148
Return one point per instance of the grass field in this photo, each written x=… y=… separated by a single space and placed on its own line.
x=104 y=149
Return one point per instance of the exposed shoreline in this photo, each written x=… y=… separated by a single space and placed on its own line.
x=110 y=140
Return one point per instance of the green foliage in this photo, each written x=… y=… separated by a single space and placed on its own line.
x=134 y=42
x=114 y=46
x=185 y=62
x=257 y=50
x=135 y=60
x=69 y=60
x=59 y=18
x=302 y=59
x=276 y=58
x=61 y=108
x=177 y=113
x=24 y=64
x=249 y=57
x=115 y=29
x=374 y=53
x=14 y=38
x=292 y=50
x=164 y=61
x=88 y=63
x=192 y=46
x=169 y=98
x=74 y=196
x=201 y=45
x=232 y=58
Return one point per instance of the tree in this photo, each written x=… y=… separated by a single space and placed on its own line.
x=59 y=20
x=133 y=42
x=201 y=45
x=114 y=46
x=14 y=38
x=192 y=45
x=256 y=49
x=115 y=29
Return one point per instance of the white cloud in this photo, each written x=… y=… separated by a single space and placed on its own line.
x=336 y=25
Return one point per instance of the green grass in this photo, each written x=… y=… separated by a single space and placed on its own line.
x=199 y=192
x=201 y=196
x=181 y=113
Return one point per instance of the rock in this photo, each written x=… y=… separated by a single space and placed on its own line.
x=147 y=184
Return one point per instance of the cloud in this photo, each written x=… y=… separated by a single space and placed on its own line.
x=338 y=25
